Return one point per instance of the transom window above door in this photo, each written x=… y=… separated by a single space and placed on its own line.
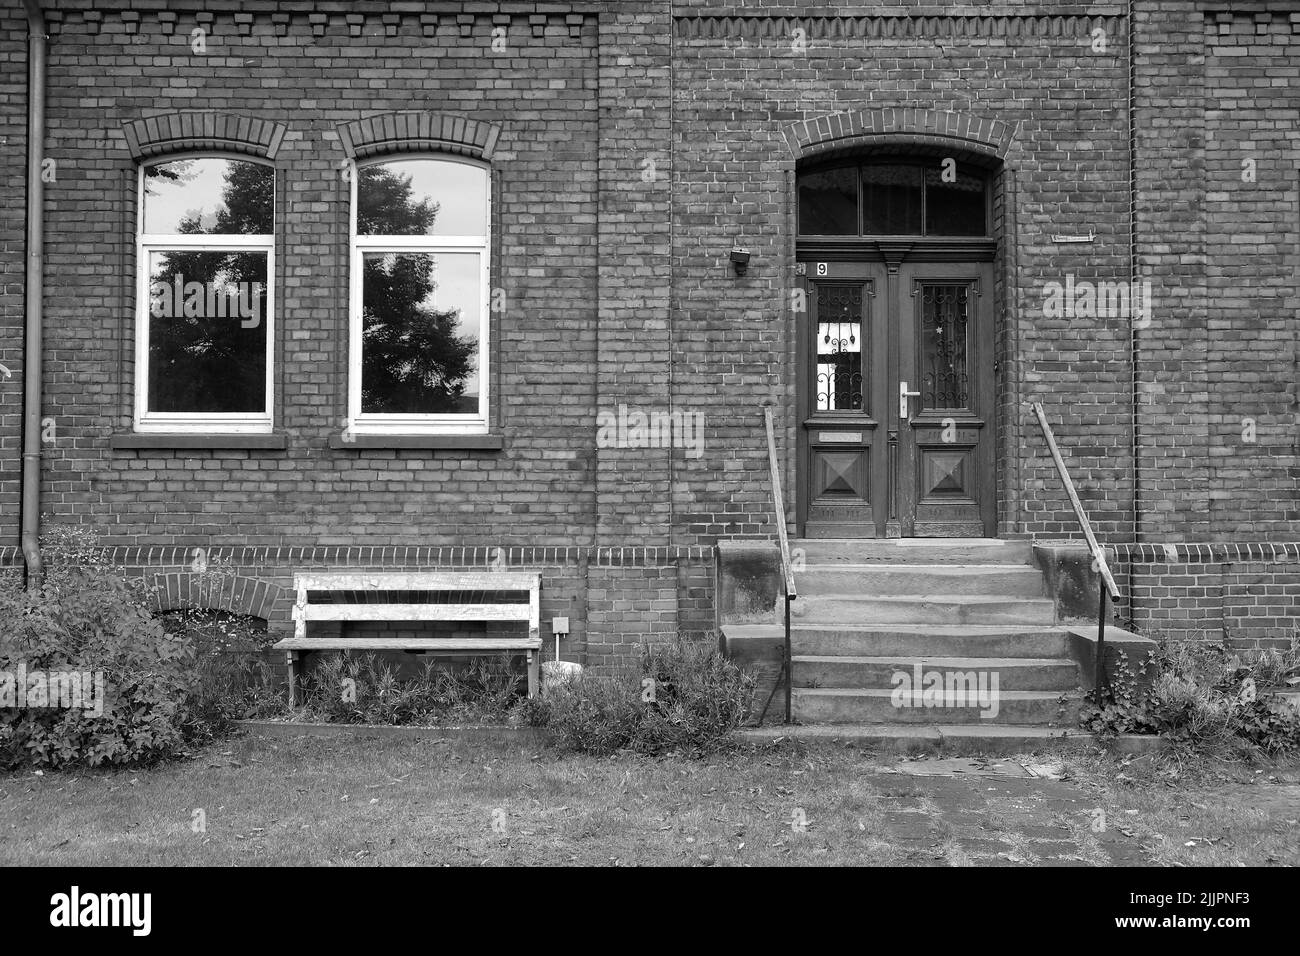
x=935 y=196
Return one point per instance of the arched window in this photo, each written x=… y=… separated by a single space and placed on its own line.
x=418 y=355
x=205 y=248
x=891 y=197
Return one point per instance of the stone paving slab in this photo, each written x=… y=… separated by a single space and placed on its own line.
x=994 y=813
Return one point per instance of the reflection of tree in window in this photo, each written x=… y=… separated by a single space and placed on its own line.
x=210 y=361
x=412 y=361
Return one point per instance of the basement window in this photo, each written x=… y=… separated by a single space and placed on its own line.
x=205 y=304
x=418 y=348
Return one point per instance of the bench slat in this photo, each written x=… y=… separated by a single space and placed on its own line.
x=416 y=581
x=413 y=612
x=407 y=644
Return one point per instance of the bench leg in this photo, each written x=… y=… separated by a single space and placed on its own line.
x=534 y=663
x=293 y=666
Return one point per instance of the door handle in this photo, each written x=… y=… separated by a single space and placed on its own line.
x=903 y=396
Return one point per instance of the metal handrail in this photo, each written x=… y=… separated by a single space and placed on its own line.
x=787 y=568
x=1108 y=584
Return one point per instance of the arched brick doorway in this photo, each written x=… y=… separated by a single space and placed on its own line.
x=897 y=326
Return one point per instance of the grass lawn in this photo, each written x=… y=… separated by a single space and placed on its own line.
x=399 y=801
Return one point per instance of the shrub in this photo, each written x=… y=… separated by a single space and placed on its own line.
x=687 y=698
x=232 y=677
x=1202 y=695
x=359 y=689
x=87 y=618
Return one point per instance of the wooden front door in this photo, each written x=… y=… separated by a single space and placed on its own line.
x=896 y=398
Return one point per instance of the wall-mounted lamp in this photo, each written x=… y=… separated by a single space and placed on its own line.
x=740 y=261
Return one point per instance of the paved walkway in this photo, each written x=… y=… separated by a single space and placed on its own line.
x=991 y=812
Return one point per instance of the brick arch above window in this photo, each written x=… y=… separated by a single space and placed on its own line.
x=918 y=127
x=418 y=130
x=235 y=593
x=203 y=130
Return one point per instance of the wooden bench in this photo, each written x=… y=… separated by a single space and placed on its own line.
x=354 y=591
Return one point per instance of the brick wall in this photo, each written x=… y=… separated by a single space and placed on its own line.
x=13 y=176
x=741 y=80
x=1247 y=595
x=1252 y=245
x=638 y=144
x=313 y=72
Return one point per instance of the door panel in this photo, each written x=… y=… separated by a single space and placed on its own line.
x=868 y=466
x=946 y=339
x=842 y=370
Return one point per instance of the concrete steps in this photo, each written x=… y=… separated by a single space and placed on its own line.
x=1013 y=673
x=967 y=551
x=952 y=739
x=910 y=579
x=911 y=640
x=874 y=617
x=860 y=609
x=853 y=705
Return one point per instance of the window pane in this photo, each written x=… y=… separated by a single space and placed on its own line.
x=209 y=196
x=207 y=331
x=944 y=344
x=891 y=200
x=840 y=383
x=420 y=333
x=957 y=208
x=421 y=197
x=828 y=202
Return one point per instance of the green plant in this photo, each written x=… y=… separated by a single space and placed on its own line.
x=232 y=676
x=687 y=698
x=1201 y=695
x=85 y=617
x=1125 y=705
x=360 y=688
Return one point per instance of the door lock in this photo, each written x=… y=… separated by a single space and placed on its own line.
x=903 y=396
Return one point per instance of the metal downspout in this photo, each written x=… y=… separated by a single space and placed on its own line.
x=33 y=295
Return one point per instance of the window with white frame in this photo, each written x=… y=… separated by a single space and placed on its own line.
x=206 y=254
x=418 y=350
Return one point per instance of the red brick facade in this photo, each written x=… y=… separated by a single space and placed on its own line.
x=632 y=146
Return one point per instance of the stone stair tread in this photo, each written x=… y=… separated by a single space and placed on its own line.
x=973 y=567
x=944 y=739
x=929 y=598
x=851 y=731
x=939 y=630
x=887 y=692
x=954 y=663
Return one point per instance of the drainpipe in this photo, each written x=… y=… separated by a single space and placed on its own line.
x=34 y=294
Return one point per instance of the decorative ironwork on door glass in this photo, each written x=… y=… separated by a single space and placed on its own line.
x=839 y=348
x=945 y=346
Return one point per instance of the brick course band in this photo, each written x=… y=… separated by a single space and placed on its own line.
x=648 y=556
x=206 y=130
x=863 y=127
x=393 y=132
x=413 y=20
x=780 y=25
x=451 y=556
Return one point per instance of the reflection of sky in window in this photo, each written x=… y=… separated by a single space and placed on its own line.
x=168 y=201
x=459 y=189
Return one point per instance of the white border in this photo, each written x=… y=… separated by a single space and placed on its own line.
x=373 y=424
x=192 y=422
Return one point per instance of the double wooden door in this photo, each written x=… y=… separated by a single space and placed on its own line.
x=896 y=399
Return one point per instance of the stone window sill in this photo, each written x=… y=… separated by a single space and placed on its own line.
x=467 y=442
x=147 y=440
